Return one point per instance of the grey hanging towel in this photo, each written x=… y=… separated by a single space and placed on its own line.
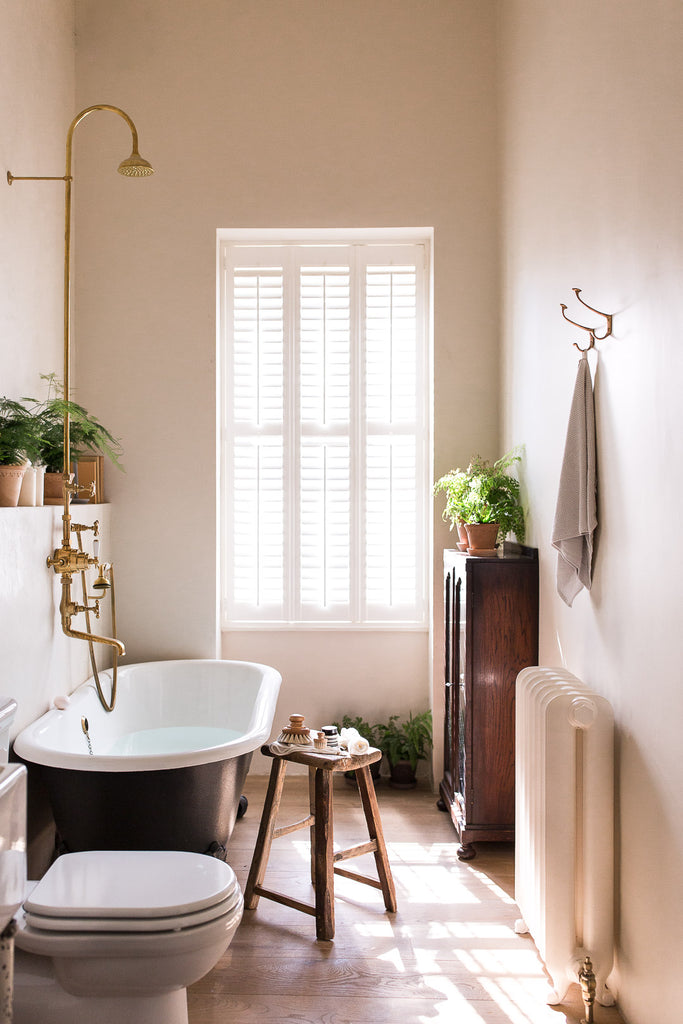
x=576 y=511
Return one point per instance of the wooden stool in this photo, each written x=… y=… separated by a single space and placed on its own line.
x=321 y=767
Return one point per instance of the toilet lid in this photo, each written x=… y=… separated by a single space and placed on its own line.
x=97 y=888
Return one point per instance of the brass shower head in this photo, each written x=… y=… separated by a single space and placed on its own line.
x=135 y=166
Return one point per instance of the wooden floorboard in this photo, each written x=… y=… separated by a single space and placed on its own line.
x=449 y=954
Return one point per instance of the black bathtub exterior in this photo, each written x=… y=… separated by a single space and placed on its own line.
x=192 y=808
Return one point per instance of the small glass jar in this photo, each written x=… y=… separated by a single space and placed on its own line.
x=332 y=736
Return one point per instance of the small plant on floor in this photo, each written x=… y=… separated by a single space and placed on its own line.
x=404 y=745
x=369 y=732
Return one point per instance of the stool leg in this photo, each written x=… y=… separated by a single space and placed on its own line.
x=264 y=841
x=371 y=811
x=312 y=772
x=323 y=856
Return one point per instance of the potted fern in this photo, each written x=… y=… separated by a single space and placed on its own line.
x=404 y=744
x=19 y=446
x=484 y=495
x=86 y=434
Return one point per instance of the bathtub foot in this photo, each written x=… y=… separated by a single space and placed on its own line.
x=242 y=807
x=217 y=850
x=60 y=846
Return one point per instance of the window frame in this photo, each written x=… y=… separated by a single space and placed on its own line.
x=227 y=238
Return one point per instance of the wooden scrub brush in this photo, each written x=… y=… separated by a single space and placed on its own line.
x=295 y=733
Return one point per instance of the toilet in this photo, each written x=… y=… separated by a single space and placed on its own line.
x=112 y=936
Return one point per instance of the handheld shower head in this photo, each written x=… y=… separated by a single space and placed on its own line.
x=135 y=166
x=102 y=583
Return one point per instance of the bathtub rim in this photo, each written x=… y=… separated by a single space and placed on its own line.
x=30 y=746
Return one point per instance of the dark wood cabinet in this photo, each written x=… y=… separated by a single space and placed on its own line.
x=491 y=633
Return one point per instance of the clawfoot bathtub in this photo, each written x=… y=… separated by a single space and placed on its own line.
x=165 y=769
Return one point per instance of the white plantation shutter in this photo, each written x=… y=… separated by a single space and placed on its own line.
x=325 y=406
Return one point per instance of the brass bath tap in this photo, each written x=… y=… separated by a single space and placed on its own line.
x=67 y=560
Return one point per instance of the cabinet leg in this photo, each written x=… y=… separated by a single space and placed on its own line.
x=466 y=851
x=441 y=804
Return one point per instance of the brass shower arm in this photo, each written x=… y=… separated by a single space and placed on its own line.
x=67 y=176
x=42 y=177
x=83 y=114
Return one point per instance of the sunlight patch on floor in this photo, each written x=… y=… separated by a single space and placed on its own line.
x=456 y=954
x=514 y=995
x=475 y=930
x=424 y=883
x=454 y=1005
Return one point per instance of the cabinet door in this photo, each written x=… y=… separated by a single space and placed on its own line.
x=454 y=680
x=498 y=640
x=450 y=685
x=448 y=735
x=460 y=688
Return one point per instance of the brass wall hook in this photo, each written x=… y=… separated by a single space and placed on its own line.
x=591 y=330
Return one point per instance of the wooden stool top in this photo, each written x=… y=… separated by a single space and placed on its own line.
x=322 y=759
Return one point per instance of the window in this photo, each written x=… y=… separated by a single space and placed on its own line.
x=325 y=432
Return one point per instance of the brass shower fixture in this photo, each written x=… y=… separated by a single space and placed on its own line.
x=67 y=560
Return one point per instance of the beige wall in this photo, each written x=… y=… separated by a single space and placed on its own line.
x=37 y=103
x=300 y=114
x=37 y=99
x=592 y=198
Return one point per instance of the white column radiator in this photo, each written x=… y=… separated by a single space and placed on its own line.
x=564 y=827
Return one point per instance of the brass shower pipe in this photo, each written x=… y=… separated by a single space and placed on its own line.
x=67 y=560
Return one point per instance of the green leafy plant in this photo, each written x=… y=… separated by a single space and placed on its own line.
x=408 y=741
x=485 y=493
x=20 y=434
x=86 y=433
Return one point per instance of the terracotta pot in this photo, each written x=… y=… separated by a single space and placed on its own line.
x=10 y=485
x=482 y=537
x=402 y=776
x=462 y=535
x=53 y=489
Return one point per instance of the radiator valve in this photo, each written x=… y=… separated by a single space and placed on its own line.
x=587 y=979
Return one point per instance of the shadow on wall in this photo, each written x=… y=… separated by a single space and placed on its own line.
x=636 y=900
